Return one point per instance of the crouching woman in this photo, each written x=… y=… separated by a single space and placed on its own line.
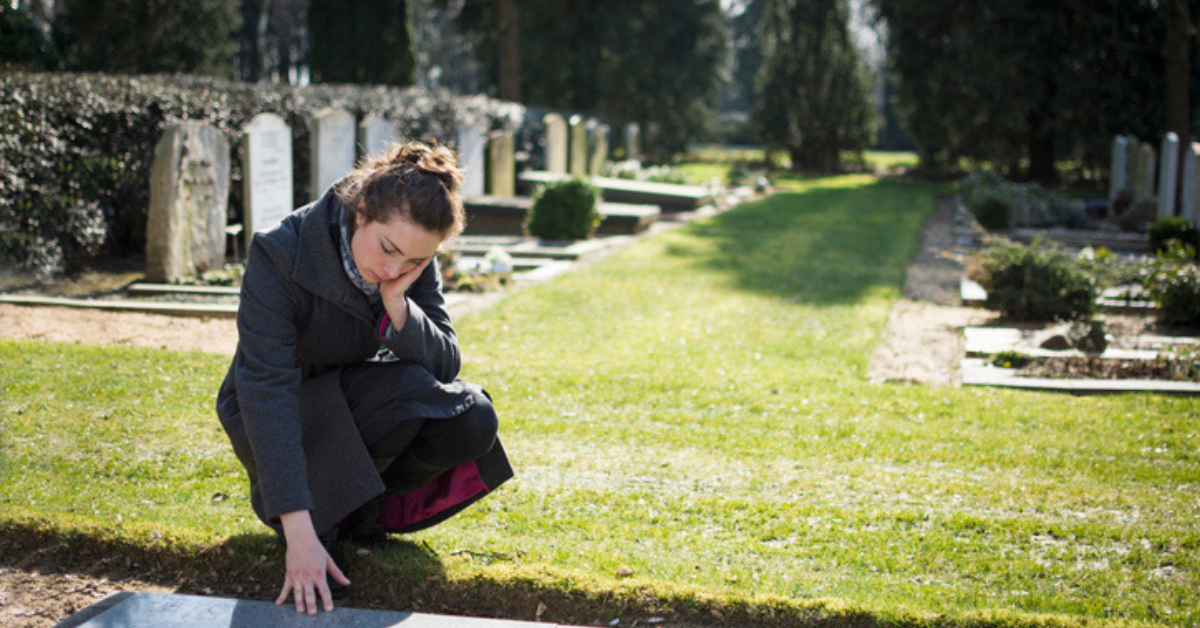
x=342 y=401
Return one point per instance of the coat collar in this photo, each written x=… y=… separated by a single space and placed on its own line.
x=318 y=266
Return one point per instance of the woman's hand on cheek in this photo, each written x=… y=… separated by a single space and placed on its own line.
x=393 y=291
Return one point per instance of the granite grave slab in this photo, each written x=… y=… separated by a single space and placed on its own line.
x=161 y=610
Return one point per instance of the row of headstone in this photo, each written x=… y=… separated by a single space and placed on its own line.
x=580 y=147
x=189 y=188
x=190 y=176
x=1134 y=168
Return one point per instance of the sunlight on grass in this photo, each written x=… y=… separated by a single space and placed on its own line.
x=694 y=411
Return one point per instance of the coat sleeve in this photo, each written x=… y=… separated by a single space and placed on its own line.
x=268 y=378
x=427 y=338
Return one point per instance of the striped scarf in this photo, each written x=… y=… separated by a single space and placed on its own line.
x=343 y=218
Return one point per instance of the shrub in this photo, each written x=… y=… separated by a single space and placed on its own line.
x=1173 y=282
x=993 y=208
x=998 y=204
x=564 y=210
x=1173 y=228
x=634 y=170
x=1011 y=359
x=1035 y=282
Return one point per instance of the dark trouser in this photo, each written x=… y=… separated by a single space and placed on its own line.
x=415 y=434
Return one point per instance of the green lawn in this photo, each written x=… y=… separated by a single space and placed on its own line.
x=694 y=439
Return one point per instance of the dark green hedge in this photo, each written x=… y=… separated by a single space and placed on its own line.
x=76 y=149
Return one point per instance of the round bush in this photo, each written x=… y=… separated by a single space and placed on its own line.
x=1035 y=282
x=1173 y=228
x=564 y=210
x=1173 y=281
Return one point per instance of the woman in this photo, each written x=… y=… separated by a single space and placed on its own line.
x=342 y=400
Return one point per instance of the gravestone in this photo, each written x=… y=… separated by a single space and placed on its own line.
x=159 y=610
x=1143 y=176
x=376 y=135
x=1190 y=196
x=189 y=194
x=267 y=180
x=1131 y=165
x=472 y=160
x=1168 y=177
x=633 y=141
x=556 y=143
x=502 y=165
x=599 y=146
x=579 y=147
x=332 y=142
x=1118 y=171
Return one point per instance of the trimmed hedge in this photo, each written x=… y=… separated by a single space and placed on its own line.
x=76 y=149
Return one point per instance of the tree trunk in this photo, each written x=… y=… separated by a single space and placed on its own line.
x=1176 y=72
x=1041 y=136
x=509 y=29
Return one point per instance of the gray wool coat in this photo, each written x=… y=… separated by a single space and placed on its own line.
x=281 y=403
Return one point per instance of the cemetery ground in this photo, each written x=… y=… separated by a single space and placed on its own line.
x=696 y=439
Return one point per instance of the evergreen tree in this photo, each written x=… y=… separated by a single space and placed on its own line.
x=23 y=44
x=1024 y=84
x=658 y=63
x=148 y=36
x=362 y=41
x=813 y=96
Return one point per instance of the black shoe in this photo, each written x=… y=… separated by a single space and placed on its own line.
x=363 y=525
x=329 y=542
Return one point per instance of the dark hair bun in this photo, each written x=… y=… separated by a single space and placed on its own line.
x=417 y=181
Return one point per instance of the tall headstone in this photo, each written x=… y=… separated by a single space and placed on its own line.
x=1190 y=196
x=267 y=177
x=502 y=165
x=1118 y=171
x=332 y=142
x=599 y=149
x=1143 y=176
x=633 y=141
x=556 y=143
x=472 y=158
x=376 y=135
x=1131 y=165
x=1168 y=175
x=579 y=147
x=189 y=194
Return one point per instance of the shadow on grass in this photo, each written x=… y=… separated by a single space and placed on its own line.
x=824 y=246
x=408 y=577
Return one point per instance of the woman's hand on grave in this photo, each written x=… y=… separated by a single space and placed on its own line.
x=393 y=291
x=307 y=564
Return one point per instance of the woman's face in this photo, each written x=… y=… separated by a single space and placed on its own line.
x=385 y=250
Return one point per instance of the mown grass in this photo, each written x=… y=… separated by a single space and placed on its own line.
x=690 y=421
x=703 y=164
